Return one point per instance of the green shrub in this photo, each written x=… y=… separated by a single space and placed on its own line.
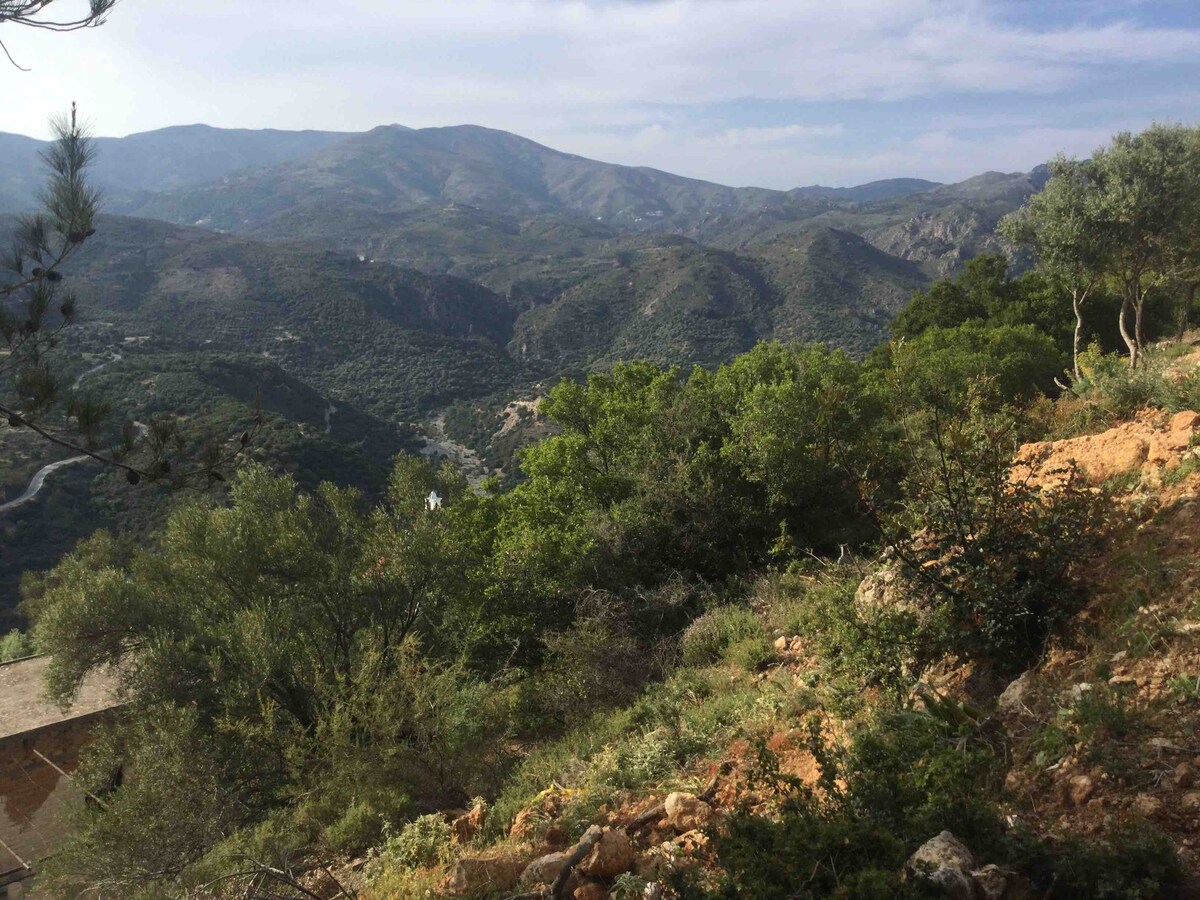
x=1115 y=392
x=425 y=841
x=1000 y=557
x=359 y=827
x=752 y=653
x=905 y=779
x=709 y=637
x=856 y=648
x=15 y=645
x=1135 y=862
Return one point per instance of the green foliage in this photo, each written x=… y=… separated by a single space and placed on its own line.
x=15 y=645
x=997 y=555
x=907 y=778
x=859 y=648
x=1115 y=392
x=140 y=838
x=1019 y=360
x=1135 y=862
x=425 y=841
x=713 y=635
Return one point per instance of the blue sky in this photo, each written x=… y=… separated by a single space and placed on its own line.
x=777 y=93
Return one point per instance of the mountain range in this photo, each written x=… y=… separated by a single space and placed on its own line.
x=365 y=282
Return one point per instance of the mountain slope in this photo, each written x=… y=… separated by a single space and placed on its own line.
x=674 y=301
x=179 y=156
x=394 y=340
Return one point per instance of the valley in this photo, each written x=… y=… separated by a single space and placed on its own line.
x=360 y=285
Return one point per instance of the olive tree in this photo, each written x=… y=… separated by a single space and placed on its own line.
x=1147 y=186
x=1063 y=228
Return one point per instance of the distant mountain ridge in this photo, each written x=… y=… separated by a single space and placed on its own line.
x=188 y=155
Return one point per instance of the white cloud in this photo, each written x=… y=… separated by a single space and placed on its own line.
x=590 y=73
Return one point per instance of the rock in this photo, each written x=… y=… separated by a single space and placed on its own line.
x=653 y=892
x=1190 y=802
x=476 y=875
x=1079 y=789
x=1075 y=692
x=525 y=823
x=1188 y=421
x=782 y=644
x=556 y=835
x=1147 y=806
x=1184 y=777
x=652 y=866
x=591 y=890
x=946 y=862
x=686 y=812
x=612 y=855
x=942 y=850
x=953 y=883
x=1017 y=696
x=995 y=883
x=544 y=869
x=467 y=826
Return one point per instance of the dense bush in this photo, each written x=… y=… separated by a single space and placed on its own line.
x=900 y=782
x=15 y=645
x=997 y=556
x=717 y=632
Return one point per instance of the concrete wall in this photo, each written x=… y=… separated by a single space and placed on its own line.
x=33 y=794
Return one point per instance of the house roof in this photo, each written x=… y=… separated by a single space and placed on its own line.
x=25 y=707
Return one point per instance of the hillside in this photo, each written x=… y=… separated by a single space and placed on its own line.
x=130 y=167
x=365 y=194
x=757 y=769
x=677 y=302
x=394 y=340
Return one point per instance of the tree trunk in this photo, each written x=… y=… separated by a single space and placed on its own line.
x=1139 y=323
x=1077 y=304
x=1183 y=312
x=1123 y=323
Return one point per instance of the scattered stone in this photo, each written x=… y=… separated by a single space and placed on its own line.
x=686 y=812
x=953 y=883
x=525 y=823
x=652 y=866
x=1184 y=776
x=944 y=861
x=467 y=826
x=889 y=588
x=544 y=869
x=612 y=855
x=1190 y=801
x=995 y=883
x=591 y=890
x=1017 y=695
x=1147 y=806
x=1075 y=692
x=476 y=875
x=943 y=850
x=1079 y=789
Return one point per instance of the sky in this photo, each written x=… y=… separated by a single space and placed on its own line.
x=774 y=93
